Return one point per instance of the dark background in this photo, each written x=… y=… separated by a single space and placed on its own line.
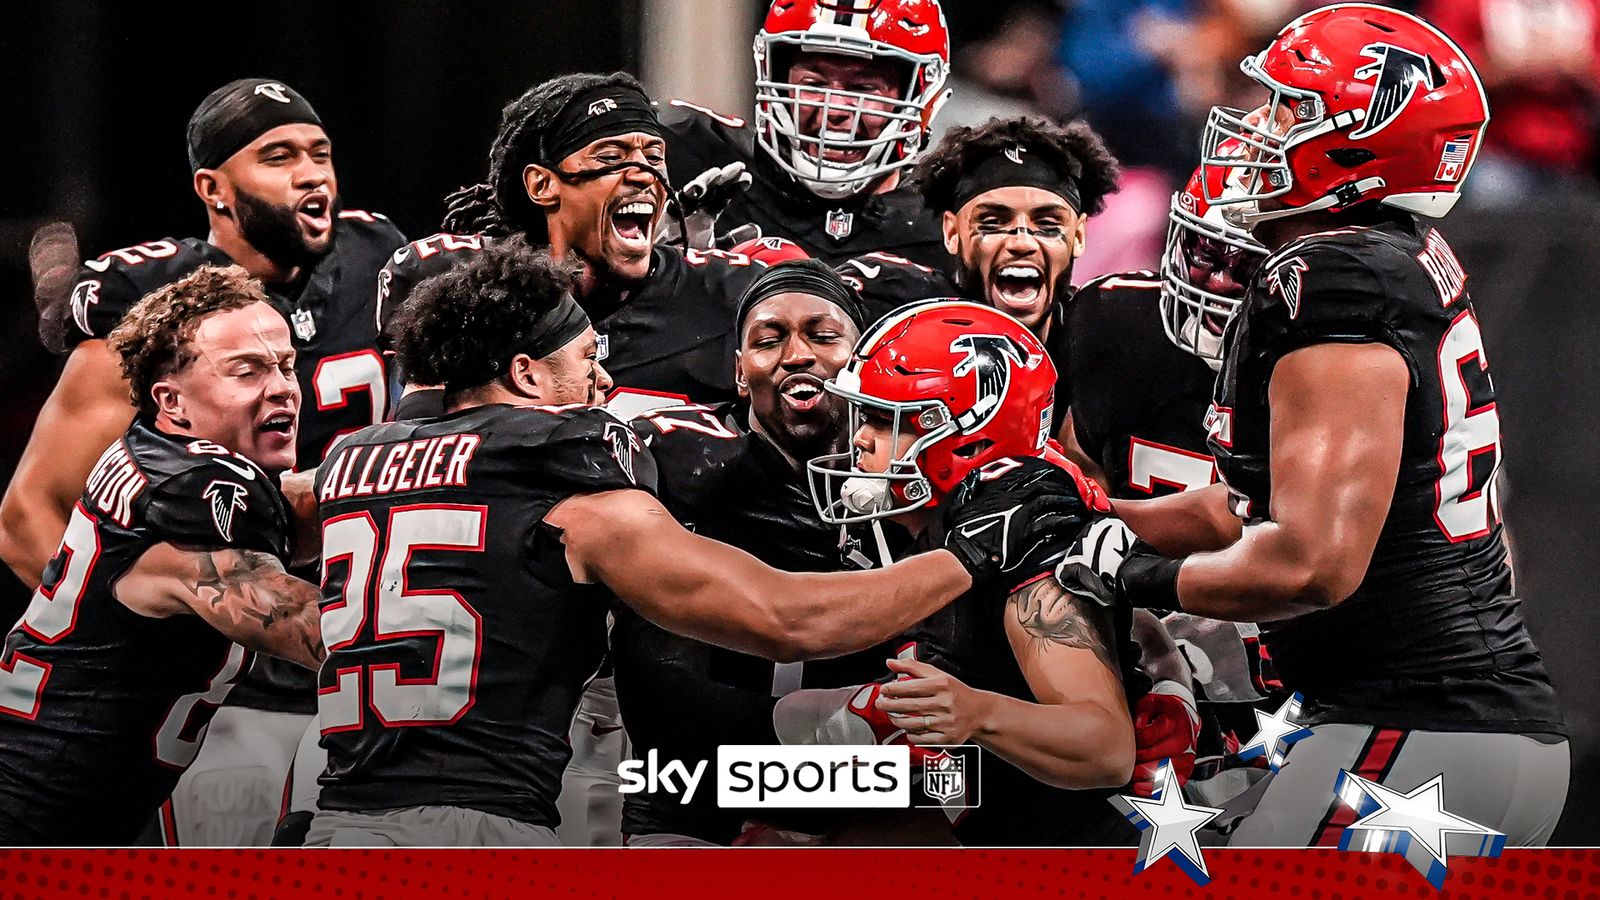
x=96 y=97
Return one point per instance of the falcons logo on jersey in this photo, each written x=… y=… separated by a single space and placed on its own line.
x=1398 y=73
x=227 y=498
x=1285 y=280
x=988 y=360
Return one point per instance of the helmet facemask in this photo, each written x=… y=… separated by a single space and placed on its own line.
x=843 y=492
x=1253 y=146
x=1193 y=316
x=780 y=105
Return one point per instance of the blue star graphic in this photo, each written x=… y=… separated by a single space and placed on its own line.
x=1166 y=823
x=1276 y=733
x=1415 y=825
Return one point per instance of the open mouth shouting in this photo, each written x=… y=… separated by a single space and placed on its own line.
x=315 y=214
x=801 y=393
x=278 y=428
x=1016 y=288
x=633 y=223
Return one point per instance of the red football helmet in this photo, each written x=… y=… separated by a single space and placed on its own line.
x=770 y=251
x=970 y=382
x=1207 y=264
x=911 y=32
x=1367 y=103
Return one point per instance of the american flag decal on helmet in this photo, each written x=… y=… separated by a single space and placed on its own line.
x=1453 y=162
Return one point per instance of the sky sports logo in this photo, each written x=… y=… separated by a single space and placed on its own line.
x=757 y=776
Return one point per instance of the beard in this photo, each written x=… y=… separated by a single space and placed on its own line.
x=275 y=231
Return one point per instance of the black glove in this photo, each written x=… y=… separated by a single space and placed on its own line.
x=1109 y=565
x=1013 y=519
x=693 y=211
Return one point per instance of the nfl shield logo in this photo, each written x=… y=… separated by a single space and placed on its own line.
x=602 y=347
x=944 y=777
x=305 y=327
x=839 y=224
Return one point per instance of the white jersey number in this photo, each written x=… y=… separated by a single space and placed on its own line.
x=399 y=612
x=1471 y=430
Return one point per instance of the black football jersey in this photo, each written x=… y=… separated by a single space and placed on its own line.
x=683 y=697
x=458 y=643
x=101 y=708
x=1138 y=401
x=1433 y=638
x=670 y=336
x=331 y=312
x=833 y=231
x=887 y=282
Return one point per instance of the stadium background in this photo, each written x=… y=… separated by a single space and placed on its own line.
x=96 y=96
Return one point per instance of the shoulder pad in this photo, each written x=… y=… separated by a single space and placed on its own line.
x=110 y=284
x=589 y=450
x=221 y=500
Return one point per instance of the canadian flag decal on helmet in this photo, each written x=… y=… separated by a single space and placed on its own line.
x=988 y=360
x=1399 y=73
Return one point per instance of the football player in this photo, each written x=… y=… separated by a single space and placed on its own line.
x=733 y=472
x=1355 y=429
x=579 y=167
x=263 y=167
x=1033 y=675
x=468 y=555
x=1138 y=364
x=845 y=93
x=170 y=574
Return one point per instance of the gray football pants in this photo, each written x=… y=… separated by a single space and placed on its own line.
x=1513 y=783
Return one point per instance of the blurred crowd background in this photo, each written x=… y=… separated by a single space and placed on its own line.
x=97 y=95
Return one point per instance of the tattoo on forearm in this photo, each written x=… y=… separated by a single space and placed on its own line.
x=248 y=586
x=1049 y=614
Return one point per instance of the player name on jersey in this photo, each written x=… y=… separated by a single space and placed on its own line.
x=424 y=464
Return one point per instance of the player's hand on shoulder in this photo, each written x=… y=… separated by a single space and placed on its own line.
x=1016 y=517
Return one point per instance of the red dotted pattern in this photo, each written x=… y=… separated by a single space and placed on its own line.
x=771 y=874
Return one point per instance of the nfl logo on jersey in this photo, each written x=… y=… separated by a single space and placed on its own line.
x=305 y=327
x=839 y=224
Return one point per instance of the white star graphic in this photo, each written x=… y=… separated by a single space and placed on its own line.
x=1403 y=823
x=1166 y=824
x=1275 y=734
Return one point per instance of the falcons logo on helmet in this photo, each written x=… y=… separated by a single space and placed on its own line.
x=1399 y=73
x=988 y=359
x=227 y=498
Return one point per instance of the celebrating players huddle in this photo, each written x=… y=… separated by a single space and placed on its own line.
x=875 y=474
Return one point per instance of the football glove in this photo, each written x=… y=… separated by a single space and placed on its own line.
x=693 y=210
x=1166 y=726
x=1014 y=518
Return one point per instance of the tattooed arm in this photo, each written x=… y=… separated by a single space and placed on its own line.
x=243 y=594
x=1078 y=735
x=299 y=489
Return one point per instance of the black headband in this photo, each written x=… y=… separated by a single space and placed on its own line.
x=549 y=333
x=801 y=276
x=1016 y=167
x=233 y=115
x=599 y=112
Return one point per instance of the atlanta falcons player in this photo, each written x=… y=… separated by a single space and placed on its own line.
x=1355 y=431
x=445 y=717
x=263 y=167
x=845 y=93
x=579 y=167
x=169 y=576
x=1034 y=675
x=1138 y=365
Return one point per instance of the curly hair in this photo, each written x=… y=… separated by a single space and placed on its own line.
x=500 y=205
x=155 y=339
x=484 y=309
x=1074 y=148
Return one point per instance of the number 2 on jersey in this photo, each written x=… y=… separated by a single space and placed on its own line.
x=374 y=586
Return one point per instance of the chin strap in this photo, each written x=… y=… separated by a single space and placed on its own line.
x=1343 y=196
